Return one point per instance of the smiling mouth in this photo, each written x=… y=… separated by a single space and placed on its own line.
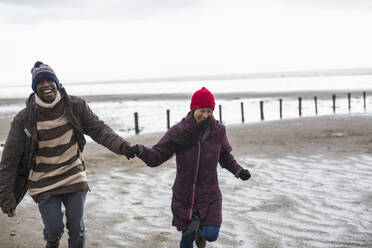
x=47 y=92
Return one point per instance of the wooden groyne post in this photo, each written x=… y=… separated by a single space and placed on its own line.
x=136 y=127
x=334 y=103
x=300 y=106
x=168 y=118
x=316 y=105
x=220 y=108
x=281 y=108
x=262 y=110
x=349 y=101
x=242 y=110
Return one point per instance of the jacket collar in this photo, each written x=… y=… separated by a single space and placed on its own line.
x=30 y=121
x=190 y=122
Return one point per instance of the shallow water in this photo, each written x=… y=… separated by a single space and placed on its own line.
x=305 y=202
x=152 y=114
x=258 y=85
x=289 y=202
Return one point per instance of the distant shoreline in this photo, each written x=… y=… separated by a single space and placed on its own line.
x=321 y=94
x=236 y=76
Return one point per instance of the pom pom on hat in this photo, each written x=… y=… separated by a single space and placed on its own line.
x=42 y=71
x=202 y=98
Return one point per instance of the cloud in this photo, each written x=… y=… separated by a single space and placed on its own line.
x=26 y=11
x=96 y=40
x=334 y=5
x=38 y=3
x=40 y=10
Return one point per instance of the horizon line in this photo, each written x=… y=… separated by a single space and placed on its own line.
x=233 y=76
x=236 y=76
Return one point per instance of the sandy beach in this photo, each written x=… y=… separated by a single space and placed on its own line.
x=310 y=187
x=290 y=80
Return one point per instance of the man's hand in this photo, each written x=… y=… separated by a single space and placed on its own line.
x=132 y=151
x=244 y=174
x=11 y=213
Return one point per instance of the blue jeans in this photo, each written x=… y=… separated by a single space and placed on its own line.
x=209 y=233
x=50 y=208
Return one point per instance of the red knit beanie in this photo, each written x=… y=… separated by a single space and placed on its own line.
x=202 y=98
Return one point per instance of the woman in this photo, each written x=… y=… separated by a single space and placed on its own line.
x=200 y=143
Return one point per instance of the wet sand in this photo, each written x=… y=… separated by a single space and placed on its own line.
x=310 y=187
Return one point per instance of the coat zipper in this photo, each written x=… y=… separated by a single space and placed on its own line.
x=194 y=182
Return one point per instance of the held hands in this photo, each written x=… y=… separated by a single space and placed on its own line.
x=244 y=174
x=132 y=151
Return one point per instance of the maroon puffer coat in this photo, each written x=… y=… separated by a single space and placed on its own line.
x=196 y=184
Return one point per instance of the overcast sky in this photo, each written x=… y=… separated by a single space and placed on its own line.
x=97 y=40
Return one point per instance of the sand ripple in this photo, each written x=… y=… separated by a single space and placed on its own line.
x=313 y=201
x=302 y=202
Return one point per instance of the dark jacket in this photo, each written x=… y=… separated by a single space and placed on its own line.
x=22 y=142
x=196 y=184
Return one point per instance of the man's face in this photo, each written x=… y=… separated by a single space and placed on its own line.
x=46 y=90
x=202 y=114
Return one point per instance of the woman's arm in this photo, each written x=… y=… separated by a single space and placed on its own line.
x=226 y=159
x=154 y=156
x=160 y=152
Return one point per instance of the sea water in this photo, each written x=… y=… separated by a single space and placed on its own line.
x=119 y=114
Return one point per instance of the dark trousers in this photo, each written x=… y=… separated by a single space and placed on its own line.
x=50 y=208
x=209 y=233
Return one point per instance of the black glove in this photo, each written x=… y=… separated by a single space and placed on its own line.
x=193 y=226
x=244 y=174
x=132 y=151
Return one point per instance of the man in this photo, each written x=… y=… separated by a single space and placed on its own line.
x=43 y=154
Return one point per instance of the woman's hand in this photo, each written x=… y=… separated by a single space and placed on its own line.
x=244 y=174
x=132 y=151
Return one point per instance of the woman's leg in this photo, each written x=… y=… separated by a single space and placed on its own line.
x=210 y=233
x=186 y=241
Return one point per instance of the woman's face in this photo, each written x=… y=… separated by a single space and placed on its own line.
x=201 y=114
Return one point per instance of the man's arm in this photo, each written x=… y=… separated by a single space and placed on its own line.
x=11 y=158
x=100 y=132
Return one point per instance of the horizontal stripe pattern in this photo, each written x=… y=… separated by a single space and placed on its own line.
x=35 y=175
x=58 y=150
x=68 y=154
x=47 y=181
x=76 y=178
x=64 y=139
x=59 y=162
x=50 y=167
x=41 y=68
x=54 y=133
x=45 y=125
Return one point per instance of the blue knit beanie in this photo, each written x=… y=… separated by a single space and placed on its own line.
x=42 y=71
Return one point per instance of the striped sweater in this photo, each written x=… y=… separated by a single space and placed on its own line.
x=59 y=165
